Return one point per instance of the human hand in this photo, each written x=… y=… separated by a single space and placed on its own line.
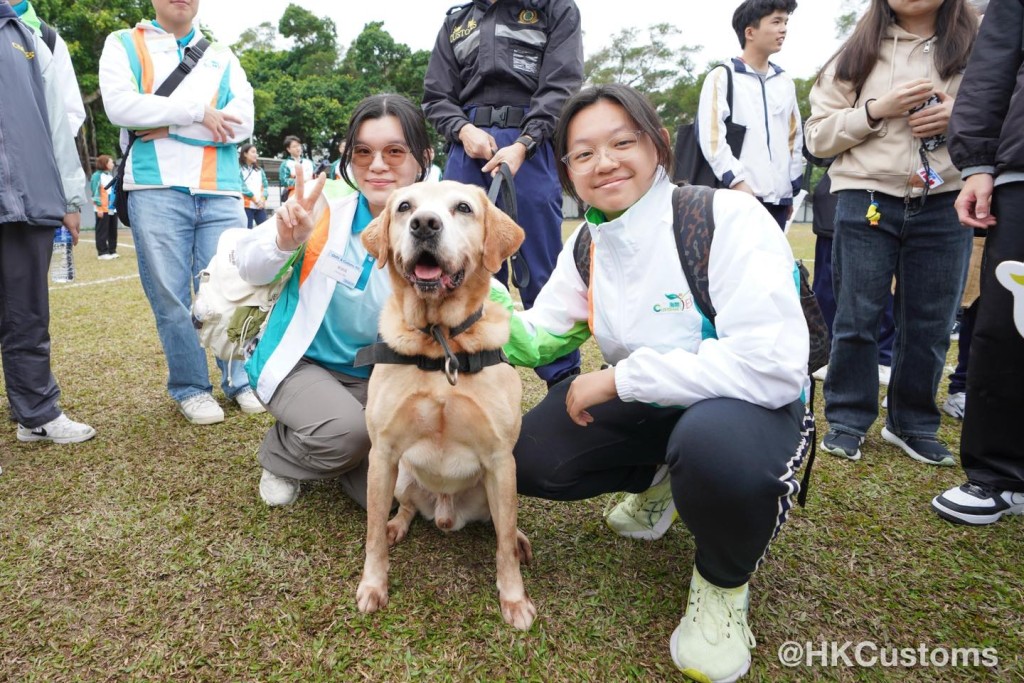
x=295 y=219
x=743 y=187
x=217 y=122
x=975 y=202
x=933 y=120
x=901 y=99
x=73 y=221
x=514 y=155
x=590 y=389
x=477 y=143
x=153 y=134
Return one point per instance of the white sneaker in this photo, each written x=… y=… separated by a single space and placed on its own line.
x=275 y=490
x=712 y=643
x=247 y=401
x=114 y=256
x=820 y=373
x=60 y=429
x=201 y=409
x=955 y=405
x=648 y=515
x=884 y=371
x=103 y=257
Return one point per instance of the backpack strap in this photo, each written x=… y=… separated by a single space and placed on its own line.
x=581 y=254
x=693 y=224
x=48 y=34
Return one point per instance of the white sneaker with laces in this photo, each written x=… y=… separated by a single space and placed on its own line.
x=648 y=515
x=884 y=371
x=201 y=409
x=955 y=405
x=712 y=643
x=247 y=401
x=60 y=429
x=275 y=490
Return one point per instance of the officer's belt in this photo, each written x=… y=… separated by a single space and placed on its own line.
x=500 y=117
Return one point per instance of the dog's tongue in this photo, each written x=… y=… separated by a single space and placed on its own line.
x=423 y=272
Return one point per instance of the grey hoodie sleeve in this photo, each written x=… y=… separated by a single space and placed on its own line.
x=64 y=151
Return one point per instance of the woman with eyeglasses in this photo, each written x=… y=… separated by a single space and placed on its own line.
x=881 y=106
x=697 y=418
x=302 y=367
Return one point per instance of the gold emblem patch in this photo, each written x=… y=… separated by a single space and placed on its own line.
x=29 y=54
x=528 y=16
x=460 y=31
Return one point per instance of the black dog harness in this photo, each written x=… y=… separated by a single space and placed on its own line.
x=452 y=363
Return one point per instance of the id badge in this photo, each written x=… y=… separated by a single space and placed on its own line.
x=346 y=272
x=931 y=177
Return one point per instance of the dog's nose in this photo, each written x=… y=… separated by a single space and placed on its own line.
x=425 y=224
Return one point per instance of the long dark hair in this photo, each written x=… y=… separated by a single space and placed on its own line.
x=955 y=28
x=636 y=105
x=410 y=118
x=242 y=151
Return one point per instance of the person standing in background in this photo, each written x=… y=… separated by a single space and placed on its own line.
x=286 y=172
x=499 y=73
x=106 y=212
x=42 y=185
x=255 y=188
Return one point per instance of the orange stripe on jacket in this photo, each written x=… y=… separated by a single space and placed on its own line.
x=315 y=245
x=138 y=37
x=208 y=174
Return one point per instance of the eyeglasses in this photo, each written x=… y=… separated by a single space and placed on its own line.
x=584 y=159
x=393 y=155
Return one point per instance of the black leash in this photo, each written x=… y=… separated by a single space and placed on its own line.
x=503 y=184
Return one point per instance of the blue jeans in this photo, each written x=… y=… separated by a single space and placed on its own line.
x=176 y=235
x=928 y=253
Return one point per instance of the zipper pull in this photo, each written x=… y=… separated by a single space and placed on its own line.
x=928 y=46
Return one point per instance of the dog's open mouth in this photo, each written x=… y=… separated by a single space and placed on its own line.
x=428 y=276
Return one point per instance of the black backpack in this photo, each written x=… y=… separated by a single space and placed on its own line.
x=693 y=225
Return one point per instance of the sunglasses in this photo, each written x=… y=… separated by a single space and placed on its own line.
x=392 y=155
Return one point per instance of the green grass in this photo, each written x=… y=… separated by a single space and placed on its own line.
x=146 y=555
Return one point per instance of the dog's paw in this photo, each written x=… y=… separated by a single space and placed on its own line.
x=519 y=613
x=525 y=550
x=371 y=597
x=397 y=531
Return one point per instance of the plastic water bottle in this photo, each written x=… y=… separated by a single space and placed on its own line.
x=62 y=265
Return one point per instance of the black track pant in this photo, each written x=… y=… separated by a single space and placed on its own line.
x=732 y=466
x=991 y=448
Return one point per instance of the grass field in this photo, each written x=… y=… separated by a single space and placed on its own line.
x=146 y=554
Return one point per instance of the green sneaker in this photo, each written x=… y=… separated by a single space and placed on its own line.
x=648 y=515
x=712 y=643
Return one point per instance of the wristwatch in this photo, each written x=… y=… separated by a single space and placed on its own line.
x=529 y=143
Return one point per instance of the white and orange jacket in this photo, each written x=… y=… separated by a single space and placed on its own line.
x=133 y=65
x=639 y=308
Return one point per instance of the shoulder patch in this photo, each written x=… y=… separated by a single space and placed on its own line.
x=456 y=8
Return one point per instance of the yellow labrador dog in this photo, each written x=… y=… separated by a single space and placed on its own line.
x=443 y=410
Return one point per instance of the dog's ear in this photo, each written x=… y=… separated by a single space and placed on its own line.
x=501 y=236
x=377 y=236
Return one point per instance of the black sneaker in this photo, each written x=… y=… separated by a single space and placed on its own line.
x=842 y=444
x=977 y=504
x=923 y=449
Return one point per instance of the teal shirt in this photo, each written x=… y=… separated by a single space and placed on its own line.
x=351 y=319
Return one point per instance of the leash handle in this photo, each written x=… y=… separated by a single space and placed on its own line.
x=502 y=185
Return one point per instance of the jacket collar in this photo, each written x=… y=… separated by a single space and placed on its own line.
x=6 y=12
x=741 y=67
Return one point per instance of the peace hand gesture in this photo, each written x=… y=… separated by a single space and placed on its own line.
x=295 y=218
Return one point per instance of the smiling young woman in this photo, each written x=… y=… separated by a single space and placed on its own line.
x=700 y=418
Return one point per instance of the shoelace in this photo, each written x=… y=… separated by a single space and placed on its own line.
x=711 y=625
x=979 y=490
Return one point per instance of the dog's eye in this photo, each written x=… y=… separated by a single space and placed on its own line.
x=404 y=206
x=463 y=207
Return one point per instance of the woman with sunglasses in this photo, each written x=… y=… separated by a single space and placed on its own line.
x=881 y=106
x=302 y=368
x=707 y=420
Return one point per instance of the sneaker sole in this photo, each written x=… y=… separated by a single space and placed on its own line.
x=255 y=410
x=30 y=438
x=700 y=676
x=841 y=453
x=897 y=441
x=958 y=517
x=655 y=532
x=212 y=420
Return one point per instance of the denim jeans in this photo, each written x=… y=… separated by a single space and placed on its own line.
x=176 y=235
x=928 y=252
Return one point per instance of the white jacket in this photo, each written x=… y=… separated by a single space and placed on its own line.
x=133 y=65
x=771 y=161
x=642 y=315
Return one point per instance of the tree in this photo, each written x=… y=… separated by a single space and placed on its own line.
x=648 y=66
